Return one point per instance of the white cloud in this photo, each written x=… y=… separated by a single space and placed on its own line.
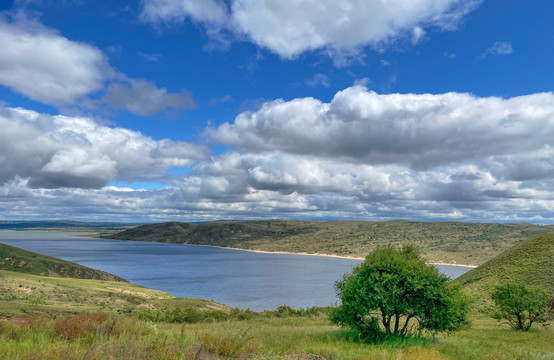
x=144 y=98
x=60 y=151
x=360 y=156
x=289 y=28
x=38 y=62
x=209 y=11
x=318 y=80
x=418 y=34
x=41 y=64
x=418 y=131
x=498 y=48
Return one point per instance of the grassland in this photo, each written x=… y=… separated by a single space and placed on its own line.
x=117 y=336
x=447 y=242
x=530 y=262
x=19 y=260
x=24 y=294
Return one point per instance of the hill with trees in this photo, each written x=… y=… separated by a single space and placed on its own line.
x=530 y=262
x=448 y=242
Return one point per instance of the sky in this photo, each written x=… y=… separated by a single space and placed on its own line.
x=159 y=110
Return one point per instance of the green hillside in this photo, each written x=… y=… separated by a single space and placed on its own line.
x=24 y=293
x=450 y=242
x=530 y=262
x=19 y=260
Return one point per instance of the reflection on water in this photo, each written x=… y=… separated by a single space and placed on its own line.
x=235 y=278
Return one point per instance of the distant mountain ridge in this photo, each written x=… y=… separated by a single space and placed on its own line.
x=63 y=224
x=448 y=242
x=23 y=261
x=530 y=262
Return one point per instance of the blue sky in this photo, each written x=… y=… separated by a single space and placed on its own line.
x=159 y=110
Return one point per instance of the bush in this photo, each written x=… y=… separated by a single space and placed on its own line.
x=521 y=305
x=79 y=325
x=394 y=293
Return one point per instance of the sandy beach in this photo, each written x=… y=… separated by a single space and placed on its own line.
x=319 y=254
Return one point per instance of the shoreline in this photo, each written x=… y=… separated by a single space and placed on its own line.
x=321 y=255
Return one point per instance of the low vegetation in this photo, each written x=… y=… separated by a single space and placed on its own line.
x=101 y=335
x=19 y=260
x=530 y=262
x=449 y=242
x=27 y=294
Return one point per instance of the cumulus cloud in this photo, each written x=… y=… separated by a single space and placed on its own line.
x=40 y=63
x=361 y=156
x=289 y=28
x=59 y=151
x=418 y=131
x=144 y=98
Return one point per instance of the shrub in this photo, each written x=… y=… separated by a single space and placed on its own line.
x=394 y=293
x=79 y=325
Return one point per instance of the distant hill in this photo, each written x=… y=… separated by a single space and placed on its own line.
x=450 y=242
x=64 y=224
x=19 y=260
x=530 y=262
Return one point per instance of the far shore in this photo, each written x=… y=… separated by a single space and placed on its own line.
x=319 y=254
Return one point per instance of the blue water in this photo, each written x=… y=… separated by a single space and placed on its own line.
x=232 y=277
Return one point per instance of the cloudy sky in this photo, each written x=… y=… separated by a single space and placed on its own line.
x=156 y=110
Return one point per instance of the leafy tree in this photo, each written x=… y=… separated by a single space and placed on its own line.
x=394 y=293
x=521 y=305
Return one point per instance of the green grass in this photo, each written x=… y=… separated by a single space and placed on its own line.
x=25 y=293
x=105 y=336
x=450 y=242
x=530 y=262
x=19 y=260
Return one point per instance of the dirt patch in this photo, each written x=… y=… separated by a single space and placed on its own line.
x=26 y=290
x=305 y=357
x=129 y=292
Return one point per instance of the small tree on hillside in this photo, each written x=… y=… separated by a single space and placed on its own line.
x=394 y=293
x=521 y=305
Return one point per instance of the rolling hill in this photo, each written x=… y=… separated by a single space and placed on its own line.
x=530 y=262
x=449 y=242
x=19 y=260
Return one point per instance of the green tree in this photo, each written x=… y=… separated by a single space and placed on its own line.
x=394 y=293
x=521 y=305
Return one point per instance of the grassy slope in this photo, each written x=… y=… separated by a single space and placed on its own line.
x=453 y=242
x=24 y=293
x=19 y=260
x=530 y=262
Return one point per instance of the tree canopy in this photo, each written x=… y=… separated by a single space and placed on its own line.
x=394 y=293
x=521 y=305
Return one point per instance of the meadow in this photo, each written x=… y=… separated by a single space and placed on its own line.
x=102 y=335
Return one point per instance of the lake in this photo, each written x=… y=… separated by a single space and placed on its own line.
x=243 y=279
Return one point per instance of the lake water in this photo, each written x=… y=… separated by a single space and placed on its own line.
x=235 y=278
